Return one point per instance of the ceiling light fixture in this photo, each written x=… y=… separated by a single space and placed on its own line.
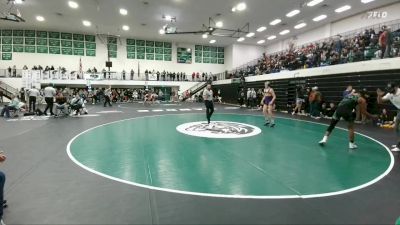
x=168 y=18
x=73 y=4
x=19 y=2
x=40 y=18
x=284 y=32
x=86 y=23
x=261 y=42
x=241 y=39
x=205 y=36
x=271 y=37
x=367 y=1
x=250 y=34
x=219 y=24
x=300 y=25
x=293 y=13
x=241 y=6
x=343 y=8
x=161 y=31
x=123 y=12
x=319 y=18
x=212 y=41
x=314 y=2
x=125 y=27
x=261 y=29
x=275 y=22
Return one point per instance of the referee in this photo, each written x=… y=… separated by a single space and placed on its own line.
x=208 y=100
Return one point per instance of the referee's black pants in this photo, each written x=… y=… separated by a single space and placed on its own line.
x=209 y=109
x=32 y=103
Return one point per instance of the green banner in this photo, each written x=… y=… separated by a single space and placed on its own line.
x=78 y=37
x=184 y=56
x=149 y=43
x=167 y=45
x=149 y=50
x=141 y=50
x=79 y=51
x=167 y=51
x=206 y=60
x=6 y=56
x=206 y=54
x=214 y=60
x=214 y=55
x=159 y=51
x=214 y=49
x=149 y=56
x=112 y=54
x=79 y=44
x=198 y=48
x=140 y=55
x=7 y=40
x=41 y=41
x=66 y=51
x=198 y=53
x=30 y=41
x=112 y=40
x=159 y=57
x=90 y=38
x=18 y=33
x=130 y=42
x=54 y=35
x=131 y=55
x=66 y=36
x=30 y=49
x=18 y=48
x=42 y=49
x=221 y=61
x=41 y=34
x=112 y=47
x=90 y=52
x=30 y=33
x=18 y=41
x=6 y=32
x=55 y=50
x=6 y=48
x=206 y=49
x=90 y=45
x=140 y=43
x=131 y=49
x=167 y=58
x=66 y=44
x=198 y=59
x=54 y=42
x=221 y=49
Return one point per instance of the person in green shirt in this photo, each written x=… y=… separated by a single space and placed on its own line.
x=14 y=105
x=345 y=110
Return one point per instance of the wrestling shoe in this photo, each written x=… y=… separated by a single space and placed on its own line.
x=272 y=125
x=323 y=141
x=352 y=146
x=395 y=149
x=267 y=124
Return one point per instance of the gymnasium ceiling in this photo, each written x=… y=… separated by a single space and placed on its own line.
x=145 y=16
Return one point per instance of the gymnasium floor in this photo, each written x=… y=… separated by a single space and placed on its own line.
x=133 y=165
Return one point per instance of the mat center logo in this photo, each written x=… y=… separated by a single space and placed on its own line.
x=219 y=129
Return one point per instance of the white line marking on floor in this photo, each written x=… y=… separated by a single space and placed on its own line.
x=171 y=110
x=198 y=109
x=108 y=112
x=143 y=110
x=185 y=110
x=232 y=107
x=157 y=110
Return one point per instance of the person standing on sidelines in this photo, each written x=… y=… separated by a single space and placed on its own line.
x=107 y=97
x=2 y=182
x=268 y=105
x=33 y=95
x=393 y=95
x=208 y=100
x=49 y=93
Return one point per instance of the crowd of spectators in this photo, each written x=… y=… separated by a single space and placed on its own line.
x=368 y=45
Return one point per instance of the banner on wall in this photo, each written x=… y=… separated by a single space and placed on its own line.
x=152 y=76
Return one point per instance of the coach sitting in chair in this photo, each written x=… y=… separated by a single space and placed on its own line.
x=13 y=106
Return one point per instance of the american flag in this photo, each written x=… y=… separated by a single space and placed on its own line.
x=80 y=66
